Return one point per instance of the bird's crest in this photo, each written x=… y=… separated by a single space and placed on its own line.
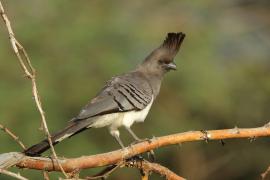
x=173 y=41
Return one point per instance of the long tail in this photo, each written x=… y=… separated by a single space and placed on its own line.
x=69 y=131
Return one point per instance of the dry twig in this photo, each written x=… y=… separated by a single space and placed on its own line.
x=17 y=176
x=266 y=174
x=105 y=172
x=30 y=73
x=46 y=175
x=12 y=135
x=148 y=167
x=143 y=165
x=114 y=157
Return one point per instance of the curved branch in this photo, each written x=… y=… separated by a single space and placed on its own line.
x=143 y=165
x=148 y=167
x=72 y=164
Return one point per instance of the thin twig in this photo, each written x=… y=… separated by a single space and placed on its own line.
x=46 y=175
x=114 y=157
x=105 y=172
x=30 y=72
x=266 y=174
x=12 y=174
x=13 y=136
x=145 y=176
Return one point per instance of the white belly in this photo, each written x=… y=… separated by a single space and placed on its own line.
x=116 y=120
x=106 y=120
x=136 y=116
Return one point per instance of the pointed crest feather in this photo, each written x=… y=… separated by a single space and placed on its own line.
x=173 y=41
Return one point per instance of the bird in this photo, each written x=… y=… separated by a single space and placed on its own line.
x=124 y=100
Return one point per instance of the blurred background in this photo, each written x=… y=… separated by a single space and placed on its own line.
x=223 y=77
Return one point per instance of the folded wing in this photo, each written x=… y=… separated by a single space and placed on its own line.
x=128 y=92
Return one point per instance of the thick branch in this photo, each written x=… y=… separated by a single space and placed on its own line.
x=114 y=157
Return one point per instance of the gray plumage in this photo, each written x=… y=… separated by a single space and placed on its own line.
x=125 y=99
x=123 y=93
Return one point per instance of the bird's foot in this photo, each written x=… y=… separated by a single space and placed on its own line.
x=141 y=140
x=151 y=155
x=205 y=136
x=136 y=157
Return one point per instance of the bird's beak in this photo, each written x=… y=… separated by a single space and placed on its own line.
x=171 y=66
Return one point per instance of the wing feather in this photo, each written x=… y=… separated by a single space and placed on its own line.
x=128 y=92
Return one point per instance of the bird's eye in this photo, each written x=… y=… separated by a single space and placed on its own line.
x=162 y=61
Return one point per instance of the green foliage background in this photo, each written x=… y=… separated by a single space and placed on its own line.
x=223 y=79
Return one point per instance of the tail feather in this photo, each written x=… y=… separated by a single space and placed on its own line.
x=43 y=146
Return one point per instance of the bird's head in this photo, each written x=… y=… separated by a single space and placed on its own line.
x=161 y=59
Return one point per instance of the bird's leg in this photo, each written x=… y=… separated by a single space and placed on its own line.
x=133 y=134
x=137 y=139
x=150 y=153
x=119 y=142
x=116 y=135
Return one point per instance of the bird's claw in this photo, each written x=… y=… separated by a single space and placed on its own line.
x=141 y=140
x=136 y=157
x=205 y=136
x=151 y=155
x=222 y=142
